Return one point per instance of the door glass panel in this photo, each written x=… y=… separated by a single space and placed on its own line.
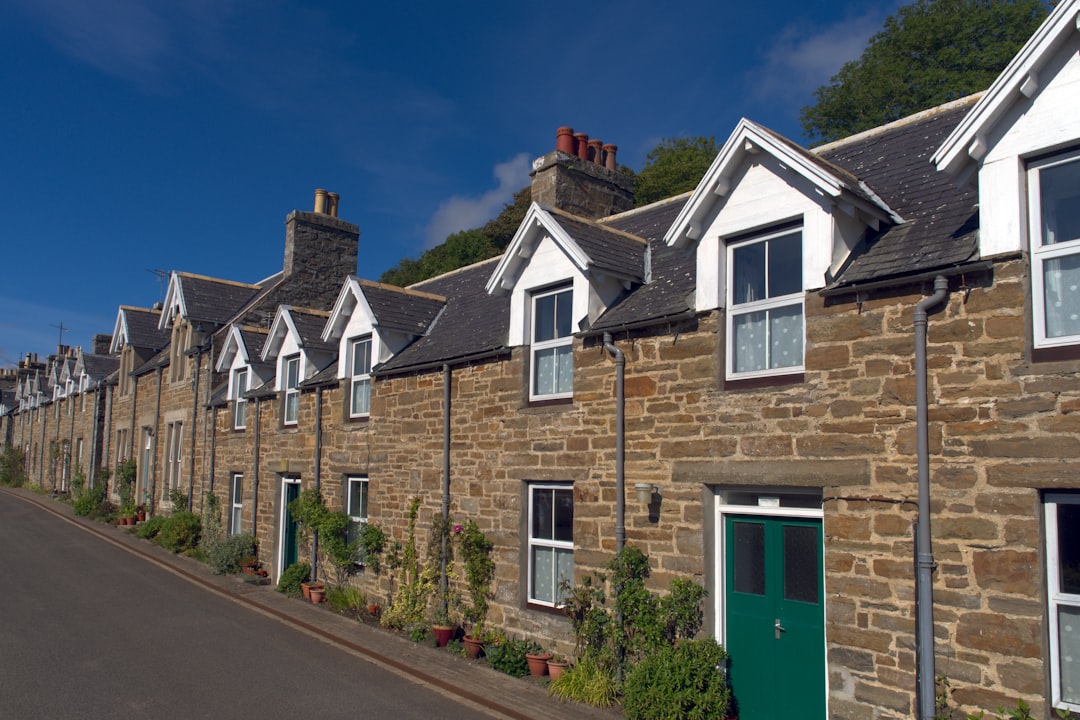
x=1068 y=527
x=749 y=560
x=801 y=563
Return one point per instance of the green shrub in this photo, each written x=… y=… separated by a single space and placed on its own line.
x=509 y=656
x=151 y=528
x=12 y=467
x=87 y=503
x=685 y=681
x=290 y=580
x=178 y=498
x=419 y=632
x=226 y=554
x=587 y=681
x=180 y=532
x=346 y=599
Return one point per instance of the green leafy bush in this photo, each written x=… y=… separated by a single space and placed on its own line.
x=684 y=681
x=290 y=580
x=151 y=528
x=12 y=467
x=180 y=532
x=88 y=502
x=346 y=599
x=509 y=656
x=226 y=554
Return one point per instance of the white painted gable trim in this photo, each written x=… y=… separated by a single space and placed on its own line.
x=537 y=224
x=282 y=327
x=174 y=302
x=750 y=139
x=1018 y=81
x=350 y=301
x=120 y=333
x=234 y=345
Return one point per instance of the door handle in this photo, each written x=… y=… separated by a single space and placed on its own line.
x=779 y=628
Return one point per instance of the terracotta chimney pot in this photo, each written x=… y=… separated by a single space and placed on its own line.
x=595 y=151
x=581 y=147
x=564 y=140
x=609 y=156
x=320 y=201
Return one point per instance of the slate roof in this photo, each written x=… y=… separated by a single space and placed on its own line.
x=142 y=328
x=212 y=300
x=263 y=391
x=98 y=367
x=310 y=324
x=219 y=396
x=610 y=249
x=401 y=309
x=472 y=323
x=941 y=220
x=159 y=360
x=254 y=339
x=324 y=378
x=670 y=291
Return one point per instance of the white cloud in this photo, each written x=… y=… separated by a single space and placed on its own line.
x=461 y=213
x=798 y=62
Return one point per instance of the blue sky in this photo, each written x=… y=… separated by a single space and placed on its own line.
x=142 y=135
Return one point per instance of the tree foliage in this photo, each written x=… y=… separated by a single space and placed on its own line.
x=672 y=167
x=928 y=53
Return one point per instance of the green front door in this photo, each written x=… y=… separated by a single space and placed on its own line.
x=774 y=616
x=290 y=490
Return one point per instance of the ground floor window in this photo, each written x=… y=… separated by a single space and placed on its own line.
x=236 y=514
x=357 y=508
x=551 y=542
x=1063 y=596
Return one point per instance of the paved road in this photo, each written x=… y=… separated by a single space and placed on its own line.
x=87 y=630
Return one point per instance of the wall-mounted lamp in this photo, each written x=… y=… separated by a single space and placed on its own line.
x=645 y=492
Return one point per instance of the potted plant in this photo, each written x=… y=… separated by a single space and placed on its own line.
x=475 y=551
x=537 y=658
x=442 y=627
x=556 y=666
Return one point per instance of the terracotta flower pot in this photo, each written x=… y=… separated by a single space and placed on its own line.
x=373 y=609
x=473 y=646
x=442 y=633
x=556 y=668
x=307 y=587
x=538 y=663
x=318 y=594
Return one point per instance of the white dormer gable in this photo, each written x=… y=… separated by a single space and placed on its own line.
x=760 y=181
x=350 y=319
x=542 y=254
x=234 y=351
x=174 y=302
x=120 y=333
x=284 y=342
x=1031 y=109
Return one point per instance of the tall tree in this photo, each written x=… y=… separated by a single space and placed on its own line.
x=672 y=167
x=929 y=52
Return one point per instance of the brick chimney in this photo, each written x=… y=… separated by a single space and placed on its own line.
x=579 y=177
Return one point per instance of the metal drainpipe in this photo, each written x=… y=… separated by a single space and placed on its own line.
x=153 y=449
x=924 y=555
x=620 y=442
x=71 y=444
x=212 y=412
x=194 y=422
x=41 y=455
x=255 y=474
x=206 y=419
x=94 y=428
x=447 y=379
x=318 y=480
x=106 y=438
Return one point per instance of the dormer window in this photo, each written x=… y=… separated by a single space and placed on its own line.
x=239 y=387
x=765 y=305
x=552 y=356
x=292 y=390
x=360 y=377
x=1054 y=199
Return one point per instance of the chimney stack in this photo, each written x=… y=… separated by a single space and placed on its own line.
x=580 y=177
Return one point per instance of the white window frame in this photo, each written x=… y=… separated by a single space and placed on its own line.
x=292 y=393
x=236 y=504
x=359 y=377
x=1055 y=598
x=174 y=457
x=766 y=305
x=357 y=519
x=1041 y=253
x=537 y=346
x=546 y=543
x=240 y=386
